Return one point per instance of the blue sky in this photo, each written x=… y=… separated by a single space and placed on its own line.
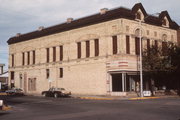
x=22 y=16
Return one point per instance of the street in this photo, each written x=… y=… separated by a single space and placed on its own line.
x=40 y=108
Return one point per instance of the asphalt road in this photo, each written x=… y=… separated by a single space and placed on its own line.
x=39 y=108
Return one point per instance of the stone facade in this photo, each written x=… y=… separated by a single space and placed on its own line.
x=87 y=75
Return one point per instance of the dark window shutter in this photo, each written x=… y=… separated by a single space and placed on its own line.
x=164 y=48
x=28 y=58
x=148 y=45
x=47 y=55
x=127 y=45
x=96 y=44
x=61 y=72
x=34 y=57
x=79 y=49
x=54 y=54
x=23 y=58
x=114 y=38
x=87 y=49
x=12 y=56
x=61 y=53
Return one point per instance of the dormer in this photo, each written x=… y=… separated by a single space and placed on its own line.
x=139 y=15
x=165 y=19
x=165 y=22
x=139 y=12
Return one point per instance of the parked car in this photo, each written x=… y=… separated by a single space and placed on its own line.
x=56 y=92
x=15 y=91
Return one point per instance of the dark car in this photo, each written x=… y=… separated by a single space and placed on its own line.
x=56 y=92
x=15 y=91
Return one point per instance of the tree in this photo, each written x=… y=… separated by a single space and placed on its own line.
x=157 y=64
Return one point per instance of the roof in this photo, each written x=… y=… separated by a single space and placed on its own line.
x=112 y=14
x=1 y=65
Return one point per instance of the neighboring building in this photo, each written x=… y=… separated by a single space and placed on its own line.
x=97 y=55
x=3 y=76
x=178 y=36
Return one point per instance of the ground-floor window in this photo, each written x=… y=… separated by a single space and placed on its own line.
x=32 y=84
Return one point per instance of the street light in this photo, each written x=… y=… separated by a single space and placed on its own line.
x=140 y=66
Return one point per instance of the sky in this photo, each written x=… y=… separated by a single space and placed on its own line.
x=22 y=16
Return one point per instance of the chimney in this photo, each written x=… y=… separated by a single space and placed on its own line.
x=18 y=34
x=69 y=20
x=103 y=11
x=40 y=28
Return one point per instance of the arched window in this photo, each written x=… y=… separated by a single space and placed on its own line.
x=138 y=16
x=164 y=37
x=137 y=32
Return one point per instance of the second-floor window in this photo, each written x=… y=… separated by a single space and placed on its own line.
x=137 y=46
x=23 y=58
x=87 y=49
x=28 y=58
x=34 y=57
x=12 y=56
x=164 y=48
x=127 y=45
x=114 y=44
x=54 y=54
x=148 y=45
x=47 y=55
x=96 y=44
x=61 y=52
x=79 y=50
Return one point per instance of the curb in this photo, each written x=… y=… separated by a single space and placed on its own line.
x=95 y=98
x=144 y=98
x=3 y=94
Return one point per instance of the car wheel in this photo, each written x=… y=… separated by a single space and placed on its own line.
x=55 y=95
x=44 y=94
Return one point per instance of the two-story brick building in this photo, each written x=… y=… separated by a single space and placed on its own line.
x=97 y=54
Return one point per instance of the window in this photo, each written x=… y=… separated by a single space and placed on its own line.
x=61 y=53
x=164 y=22
x=47 y=55
x=28 y=58
x=114 y=43
x=164 y=48
x=23 y=58
x=127 y=45
x=34 y=57
x=60 y=72
x=87 y=49
x=79 y=50
x=12 y=56
x=96 y=44
x=138 y=16
x=156 y=44
x=47 y=73
x=12 y=78
x=54 y=54
x=137 y=46
x=148 y=44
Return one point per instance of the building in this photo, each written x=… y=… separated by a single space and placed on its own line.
x=96 y=55
x=3 y=77
x=178 y=36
